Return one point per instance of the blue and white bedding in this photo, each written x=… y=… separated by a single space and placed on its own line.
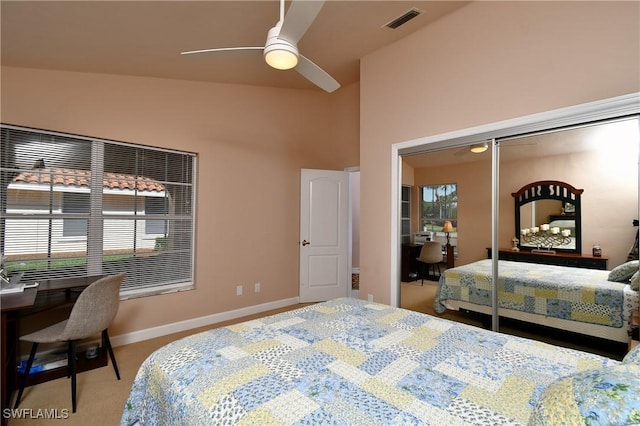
x=574 y=294
x=349 y=361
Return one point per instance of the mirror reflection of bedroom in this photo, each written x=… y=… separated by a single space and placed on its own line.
x=567 y=210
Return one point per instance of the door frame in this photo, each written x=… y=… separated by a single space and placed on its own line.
x=351 y=170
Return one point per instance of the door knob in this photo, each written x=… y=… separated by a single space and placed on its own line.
x=305 y=243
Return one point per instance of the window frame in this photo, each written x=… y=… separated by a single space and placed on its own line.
x=184 y=219
x=453 y=218
x=75 y=228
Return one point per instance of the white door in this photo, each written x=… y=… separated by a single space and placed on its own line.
x=324 y=235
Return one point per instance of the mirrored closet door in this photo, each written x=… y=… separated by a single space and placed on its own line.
x=560 y=192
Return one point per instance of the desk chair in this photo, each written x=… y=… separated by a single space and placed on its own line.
x=92 y=313
x=430 y=257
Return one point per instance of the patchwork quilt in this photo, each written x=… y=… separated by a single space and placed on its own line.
x=575 y=294
x=348 y=362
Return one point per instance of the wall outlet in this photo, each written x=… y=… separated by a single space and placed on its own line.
x=256 y=287
x=370 y=298
x=239 y=290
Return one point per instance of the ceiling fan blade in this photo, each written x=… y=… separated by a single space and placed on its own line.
x=221 y=49
x=316 y=75
x=298 y=19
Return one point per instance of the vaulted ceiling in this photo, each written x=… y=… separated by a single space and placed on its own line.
x=145 y=38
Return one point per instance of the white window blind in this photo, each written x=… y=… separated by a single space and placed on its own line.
x=75 y=206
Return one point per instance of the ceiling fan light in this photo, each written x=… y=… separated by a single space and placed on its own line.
x=281 y=56
x=479 y=148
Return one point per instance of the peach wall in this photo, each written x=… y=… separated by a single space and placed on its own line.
x=251 y=144
x=609 y=178
x=487 y=62
x=609 y=201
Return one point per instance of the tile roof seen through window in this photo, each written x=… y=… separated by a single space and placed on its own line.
x=82 y=178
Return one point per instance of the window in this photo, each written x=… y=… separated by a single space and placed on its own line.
x=439 y=203
x=74 y=206
x=155 y=206
x=75 y=203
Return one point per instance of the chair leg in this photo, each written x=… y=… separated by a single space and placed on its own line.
x=427 y=267
x=68 y=361
x=72 y=370
x=107 y=343
x=23 y=376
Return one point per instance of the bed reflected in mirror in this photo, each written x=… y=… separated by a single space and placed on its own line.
x=546 y=211
x=596 y=164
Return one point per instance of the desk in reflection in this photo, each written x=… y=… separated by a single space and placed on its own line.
x=409 y=267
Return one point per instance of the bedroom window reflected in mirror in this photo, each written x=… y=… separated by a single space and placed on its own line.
x=405 y=215
x=74 y=206
x=438 y=205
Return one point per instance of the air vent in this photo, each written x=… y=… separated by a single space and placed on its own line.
x=403 y=19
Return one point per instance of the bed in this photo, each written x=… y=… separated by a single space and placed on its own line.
x=349 y=361
x=575 y=299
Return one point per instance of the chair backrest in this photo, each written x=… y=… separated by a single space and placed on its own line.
x=94 y=309
x=431 y=252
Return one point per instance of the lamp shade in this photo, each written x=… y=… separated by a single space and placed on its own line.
x=281 y=54
x=447 y=227
x=281 y=59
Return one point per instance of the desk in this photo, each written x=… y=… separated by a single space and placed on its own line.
x=409 y=264
x=449 y=256
x=409 y=268
x=48 y=295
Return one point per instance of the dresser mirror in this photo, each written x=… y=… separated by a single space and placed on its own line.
x=548 y=217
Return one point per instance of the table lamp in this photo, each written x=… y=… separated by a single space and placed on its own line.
x=447 y=227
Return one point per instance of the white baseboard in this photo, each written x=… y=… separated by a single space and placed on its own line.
x=176 y=327
x=355 y=270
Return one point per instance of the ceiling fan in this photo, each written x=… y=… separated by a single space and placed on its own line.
x=477 y=148
x=281 y=51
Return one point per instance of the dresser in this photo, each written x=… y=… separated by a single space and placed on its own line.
x=560 y=259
